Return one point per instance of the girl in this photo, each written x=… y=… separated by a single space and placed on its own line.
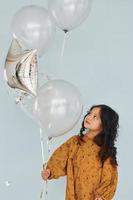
x=89 y=159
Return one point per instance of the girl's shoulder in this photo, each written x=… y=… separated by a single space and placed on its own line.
x=73 y=139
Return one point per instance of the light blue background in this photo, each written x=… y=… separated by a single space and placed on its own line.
x=98 y=60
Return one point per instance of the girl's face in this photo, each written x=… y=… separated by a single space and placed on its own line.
x=93 y=120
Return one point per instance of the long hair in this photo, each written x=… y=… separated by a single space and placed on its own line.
x=107 y=137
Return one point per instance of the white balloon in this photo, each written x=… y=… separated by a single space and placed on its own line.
x=58 y=107
x=34 y=28
x=69 y=14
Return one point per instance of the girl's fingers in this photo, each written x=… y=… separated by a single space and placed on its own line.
x=45 y=174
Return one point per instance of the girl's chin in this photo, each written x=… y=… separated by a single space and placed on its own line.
x=86 y=127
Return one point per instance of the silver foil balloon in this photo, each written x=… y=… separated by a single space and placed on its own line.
x=34 y=28
x=21 y=68
x=58 y=107
x=69 y=14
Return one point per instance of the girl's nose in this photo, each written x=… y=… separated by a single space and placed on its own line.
x=89 y=117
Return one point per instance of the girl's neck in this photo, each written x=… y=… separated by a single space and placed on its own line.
x=91 y=134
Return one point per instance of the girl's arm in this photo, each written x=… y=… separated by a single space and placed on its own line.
x=108 y=184
x=58 y=161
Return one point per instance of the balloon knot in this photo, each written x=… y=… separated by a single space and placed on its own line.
x=66 y=31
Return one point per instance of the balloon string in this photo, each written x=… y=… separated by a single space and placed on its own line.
x=45 y=184
x=42 y=146
x=63 y=48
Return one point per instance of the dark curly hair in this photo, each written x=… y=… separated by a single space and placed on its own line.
x=107 y=137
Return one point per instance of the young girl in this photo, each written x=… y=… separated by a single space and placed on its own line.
x=89 y=159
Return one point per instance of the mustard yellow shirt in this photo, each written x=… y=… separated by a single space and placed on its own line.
x=86 y=178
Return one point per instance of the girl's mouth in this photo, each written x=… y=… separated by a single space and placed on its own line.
x=87 y=122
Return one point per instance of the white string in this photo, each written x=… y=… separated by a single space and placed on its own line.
x=44 y=190
x=42 y=146
x=43 y=160
x=63 y=48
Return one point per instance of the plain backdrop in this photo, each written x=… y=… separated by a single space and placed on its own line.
x=98 y=60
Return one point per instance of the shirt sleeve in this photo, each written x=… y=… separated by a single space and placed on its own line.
x=108 y=184
x=58 y=161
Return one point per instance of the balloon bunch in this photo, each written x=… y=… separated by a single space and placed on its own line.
x=57 y=104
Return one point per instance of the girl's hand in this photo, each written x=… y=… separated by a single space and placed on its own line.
x=99 y=198
x=45 y=174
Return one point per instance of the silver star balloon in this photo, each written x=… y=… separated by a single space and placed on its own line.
x=21 y=68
